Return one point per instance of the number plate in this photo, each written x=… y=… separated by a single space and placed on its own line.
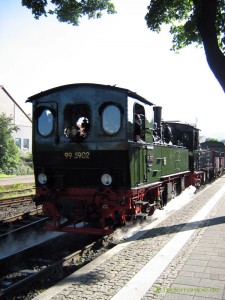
x=77 y=155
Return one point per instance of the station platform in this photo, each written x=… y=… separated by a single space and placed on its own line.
x=179 y=254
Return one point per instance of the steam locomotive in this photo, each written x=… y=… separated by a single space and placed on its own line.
x=93 y=174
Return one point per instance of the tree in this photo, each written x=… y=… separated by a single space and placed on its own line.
x=211 y=140
x=192 y=21
x=70 y=11
x=9 y=152
x=196 y=21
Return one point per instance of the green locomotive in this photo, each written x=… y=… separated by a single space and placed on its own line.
x=103 y=157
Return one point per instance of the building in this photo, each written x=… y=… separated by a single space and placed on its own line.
x=8 y=106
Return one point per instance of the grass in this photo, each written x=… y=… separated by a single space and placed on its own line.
x=14 y=190
x=6 y=176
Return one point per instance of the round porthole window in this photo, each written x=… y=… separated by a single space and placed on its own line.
x=111 y=119
x=45 y=122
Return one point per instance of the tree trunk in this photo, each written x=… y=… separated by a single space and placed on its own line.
x=206 y=18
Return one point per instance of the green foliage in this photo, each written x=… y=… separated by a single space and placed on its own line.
x=182 y=16
x=18 y=186
x=18 y=189
x=70 y=11
x=11 y=161
x=211 y=140
x=27 y=158
x=23 y=167
x=9 y=152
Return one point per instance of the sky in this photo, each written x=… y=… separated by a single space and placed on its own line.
x=36 y=55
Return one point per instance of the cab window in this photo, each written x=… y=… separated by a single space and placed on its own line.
x=139 y=123
x=45 y=122
x=77 y=122
x=111 y=119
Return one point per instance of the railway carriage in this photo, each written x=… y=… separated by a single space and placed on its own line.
x=217 y=163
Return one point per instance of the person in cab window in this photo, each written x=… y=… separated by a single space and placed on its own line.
x=167 y=134
x=137 y=128
x=84 y=128
x=156 y=133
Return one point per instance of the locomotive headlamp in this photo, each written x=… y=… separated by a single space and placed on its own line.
x=106 y=179
x=42 y=178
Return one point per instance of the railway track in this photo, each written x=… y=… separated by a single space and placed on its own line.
x=22 y=222
x=41 y=270
x=19 y=214
x=16 y=206
x=32 y=264
x=15 y=201
x=21 y=191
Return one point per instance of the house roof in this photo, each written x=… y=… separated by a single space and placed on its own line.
x=14 y=101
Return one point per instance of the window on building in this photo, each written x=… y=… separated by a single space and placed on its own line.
x=18 y=142
x=25 y=143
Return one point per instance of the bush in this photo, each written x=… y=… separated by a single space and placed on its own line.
x=26 y=157
x=24 y=167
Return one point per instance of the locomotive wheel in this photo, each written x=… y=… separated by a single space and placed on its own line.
x=151 y=210
x=129 y=219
